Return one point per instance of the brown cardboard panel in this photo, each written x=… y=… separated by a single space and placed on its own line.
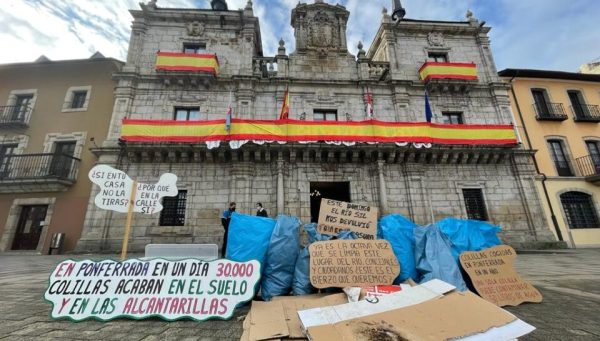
x=352 y=263
x=293 y=304
x=494 y=277
x=336 y=216
x=267 y=321
x=454 y=315
x=279 y=317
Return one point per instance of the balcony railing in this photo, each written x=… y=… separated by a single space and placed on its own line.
x=14 y=115
x=25 y=167
x=265 y=67
x=588 y=165
x=549 y=112
x=586 y=113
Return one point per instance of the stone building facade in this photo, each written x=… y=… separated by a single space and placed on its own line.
x=425 y=182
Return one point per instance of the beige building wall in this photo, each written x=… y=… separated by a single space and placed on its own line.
x=573 y=134
x=52 y=120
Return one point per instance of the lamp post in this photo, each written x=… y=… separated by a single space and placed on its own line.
x=398 y=11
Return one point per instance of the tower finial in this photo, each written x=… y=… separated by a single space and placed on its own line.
x=398 y=12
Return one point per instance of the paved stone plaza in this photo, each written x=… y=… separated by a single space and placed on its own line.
x=568 y=280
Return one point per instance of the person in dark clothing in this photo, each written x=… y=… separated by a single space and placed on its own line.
x=260 y=211
x=225 y=219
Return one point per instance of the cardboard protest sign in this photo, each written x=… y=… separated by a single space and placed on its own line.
x=139 y=289
x=336 y=216
x=352 y=263
x=495 y=278
x=116 y=186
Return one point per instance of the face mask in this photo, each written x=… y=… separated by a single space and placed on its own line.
x=233 y=208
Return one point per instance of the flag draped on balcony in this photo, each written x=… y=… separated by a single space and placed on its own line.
x=285 y=107
x=303 y=131
x=437 y=70
x=177 y=61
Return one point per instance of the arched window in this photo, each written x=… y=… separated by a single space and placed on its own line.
x=580 y=211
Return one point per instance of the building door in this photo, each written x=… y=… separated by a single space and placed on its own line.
x=62 y=159
x=328 y=190
x=29 y=229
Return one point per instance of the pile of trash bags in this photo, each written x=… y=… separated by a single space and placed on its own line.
x=424 y=252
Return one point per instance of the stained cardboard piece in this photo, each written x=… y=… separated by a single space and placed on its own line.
x=456 y=315
x=336 y=216
x=270 y=317
x=266 y=320
x=352 y=263
x=495 y=279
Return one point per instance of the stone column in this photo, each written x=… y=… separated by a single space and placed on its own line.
x=383 y=208
x=280 y=193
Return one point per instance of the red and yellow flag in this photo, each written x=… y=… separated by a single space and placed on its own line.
x=176 y=61
x=435 y=70
x=298 y=131
x=285 y=108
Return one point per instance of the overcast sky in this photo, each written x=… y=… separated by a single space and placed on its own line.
x=538 y=34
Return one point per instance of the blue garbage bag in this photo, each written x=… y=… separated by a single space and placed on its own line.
x=433 y=257
x=278 y=273
x=301 y=284
x=249 y=238
x=398 y=230
x=469 y=235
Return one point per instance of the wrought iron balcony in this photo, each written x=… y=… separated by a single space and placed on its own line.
x=37 y=172
x=14 y=115
x=589 y=167
x=586 y=113
x=549 y=112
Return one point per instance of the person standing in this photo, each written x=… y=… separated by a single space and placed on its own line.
x=260 y=211
x=225 y=219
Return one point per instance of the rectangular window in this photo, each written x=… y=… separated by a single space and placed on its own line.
x=593 y=148
x=78 y=99
x=437 y=57
x=325 y=115
x=578 y=105
x=5 y=151
x=540 y=97
x=187 y=114
x=474 y=204
x=563 y=168
x=173 y=212
x=452 y=117
x=194 y=48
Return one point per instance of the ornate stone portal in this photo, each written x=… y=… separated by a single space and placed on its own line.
x=320 y=28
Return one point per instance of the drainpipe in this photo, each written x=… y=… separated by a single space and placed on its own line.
x=537 y=168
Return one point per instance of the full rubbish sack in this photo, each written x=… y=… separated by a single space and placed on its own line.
x=399 y=231
x=284 y=246
x=301 y=284
x=469 y=235
x=433 y=257
x=249 y=238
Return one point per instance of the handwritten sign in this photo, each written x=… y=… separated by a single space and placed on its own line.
x=116 y=186
x=336 y=216
x=352 y=263
x=146 y=288
x=495 y=278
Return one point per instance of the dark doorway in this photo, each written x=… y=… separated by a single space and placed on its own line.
x=328 y=190
x=29 y=230
x=62 y=159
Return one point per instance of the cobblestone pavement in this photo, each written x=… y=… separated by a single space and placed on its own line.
x=569 y=281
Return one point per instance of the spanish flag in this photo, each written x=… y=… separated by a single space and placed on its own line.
x=285 y=108
x=175 y=61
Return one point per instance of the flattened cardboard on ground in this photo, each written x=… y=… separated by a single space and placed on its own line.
x=453 y=316
x=412 y=295
x=495 y=279
x=336 y=216
x=352 y=263
x=278 y=319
